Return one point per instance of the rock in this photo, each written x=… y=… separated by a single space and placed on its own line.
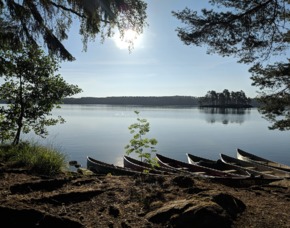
x=183 y=181
x=73 y=163
x=85 y=172
x=232 y=205
x=191 y=213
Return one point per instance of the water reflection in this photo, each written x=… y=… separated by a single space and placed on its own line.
x=225 y=115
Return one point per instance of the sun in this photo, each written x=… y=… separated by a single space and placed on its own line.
x=131 y=38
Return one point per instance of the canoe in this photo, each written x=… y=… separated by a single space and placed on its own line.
x=100 y=167
x=217 y=165
x=190 y=168
x=141 y=166
x=246 y=156
x=255 y=168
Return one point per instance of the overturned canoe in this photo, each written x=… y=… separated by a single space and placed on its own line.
x=246 y=156
x=190 y=168
x=100 y=167
x=217 y=165
x=255 y=168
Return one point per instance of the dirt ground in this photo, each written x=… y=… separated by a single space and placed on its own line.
x=77 y=200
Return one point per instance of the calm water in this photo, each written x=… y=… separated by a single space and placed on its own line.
x=101 y=131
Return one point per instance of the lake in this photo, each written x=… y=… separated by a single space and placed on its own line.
x=101 y=131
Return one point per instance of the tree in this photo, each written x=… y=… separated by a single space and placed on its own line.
x=253 y=32
x=221 y=99
x=37 y=22
x=31 y=91
x=275 y=81
x=139 y=143
x=227 y=96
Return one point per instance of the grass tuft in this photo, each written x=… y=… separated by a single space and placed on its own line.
x=34 y=157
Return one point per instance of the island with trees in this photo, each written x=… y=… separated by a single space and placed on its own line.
x=225 y=99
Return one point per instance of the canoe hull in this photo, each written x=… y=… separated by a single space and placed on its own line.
x=190 y=168
x=140 y=166
x=246 y=156
x=217 y=165
x=105 y=168
x=255 y=168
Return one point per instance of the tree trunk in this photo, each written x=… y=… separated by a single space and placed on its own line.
x=20 y=118
x=19 y=124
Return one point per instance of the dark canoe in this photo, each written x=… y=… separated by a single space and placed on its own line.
x=100 y=167
x=255 y=168
x=217 y=165
x=140 y=166
x=246 y=156
x=190 y=168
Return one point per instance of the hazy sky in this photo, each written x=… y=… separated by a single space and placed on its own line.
x=159 y=65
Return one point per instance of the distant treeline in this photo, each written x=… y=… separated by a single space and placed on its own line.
x=146 y=101
x=150 y=101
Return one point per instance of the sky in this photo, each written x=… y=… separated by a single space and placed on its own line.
x=159 y=65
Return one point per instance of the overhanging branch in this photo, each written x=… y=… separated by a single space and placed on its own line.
x=72 y=11
x=67 y=9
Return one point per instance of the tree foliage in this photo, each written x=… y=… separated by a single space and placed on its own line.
x=249 y=30
x=274 y=81
x=45 y=21
x=140 y=144
x=253 y=31
x=31 y=91
x=225 y=99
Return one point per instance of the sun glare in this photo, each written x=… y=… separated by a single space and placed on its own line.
x=130 y=38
